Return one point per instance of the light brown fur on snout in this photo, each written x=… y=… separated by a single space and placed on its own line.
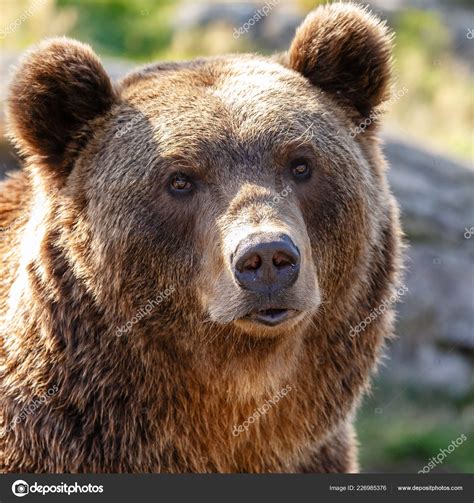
x=253 y=211
x=119 y=306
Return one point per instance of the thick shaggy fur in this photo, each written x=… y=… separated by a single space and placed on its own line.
x=91 y=233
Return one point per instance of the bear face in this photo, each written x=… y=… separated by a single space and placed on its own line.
x=234 y=132
x=235 y=184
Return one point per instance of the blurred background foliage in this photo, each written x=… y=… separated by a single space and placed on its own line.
x=400 y=426
x=438 y=108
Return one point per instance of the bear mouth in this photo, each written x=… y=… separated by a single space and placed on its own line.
x=271 y=317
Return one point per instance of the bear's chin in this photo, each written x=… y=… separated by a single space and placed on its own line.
x=272 y=322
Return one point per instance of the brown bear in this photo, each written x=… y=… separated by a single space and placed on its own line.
x=186 y=254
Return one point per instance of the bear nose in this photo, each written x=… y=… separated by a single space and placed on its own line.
x=266 y=262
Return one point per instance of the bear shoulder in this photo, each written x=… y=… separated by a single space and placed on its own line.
x=14 y=203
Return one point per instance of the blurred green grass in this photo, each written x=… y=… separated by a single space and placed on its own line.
x=400 y=429
x=136 y=30
x=437 y=110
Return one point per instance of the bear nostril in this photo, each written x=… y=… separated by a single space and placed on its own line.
x=282 y=260
x=252 y=263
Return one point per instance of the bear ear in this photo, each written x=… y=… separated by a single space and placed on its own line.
x=346 y=51
x=58 y=88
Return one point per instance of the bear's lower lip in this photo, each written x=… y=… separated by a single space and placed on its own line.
x=271 y=317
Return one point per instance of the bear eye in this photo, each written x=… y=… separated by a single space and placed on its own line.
x=180 y=184
x=300 y=169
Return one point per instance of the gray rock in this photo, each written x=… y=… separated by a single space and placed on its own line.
x=436 y=316
x=428 y=367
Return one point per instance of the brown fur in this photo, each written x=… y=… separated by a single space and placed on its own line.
x=101 y=235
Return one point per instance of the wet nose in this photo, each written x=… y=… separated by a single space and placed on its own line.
x=266 y=262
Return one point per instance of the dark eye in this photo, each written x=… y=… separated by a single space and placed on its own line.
x=300 y=169
x=180 y=184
